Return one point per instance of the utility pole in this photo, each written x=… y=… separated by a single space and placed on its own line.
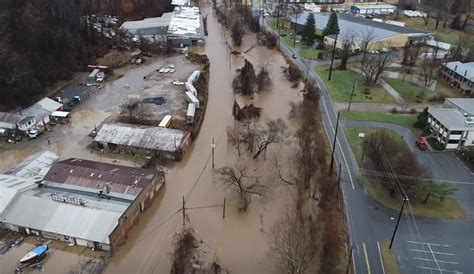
x=398 y=222
x=352 y=94
x=334 y=142
x=184 y=213
x=294 y=32
x=350 y=259
x=363 y=152
x=213 y=147
x=223 y=210
x=339 y=177
x=332 y=57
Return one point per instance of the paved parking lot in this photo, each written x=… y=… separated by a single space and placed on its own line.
x=433 y=257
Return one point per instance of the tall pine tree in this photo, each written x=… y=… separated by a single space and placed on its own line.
x=333 y=26
x=308 y=34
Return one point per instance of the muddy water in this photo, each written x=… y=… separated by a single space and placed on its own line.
x=240 y=240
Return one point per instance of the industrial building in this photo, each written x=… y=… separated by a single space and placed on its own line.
x=165 y=143
x=458 y=75
x=453 y=125
x=182 y=27
x=373 y=8
x=382 y=35
x=79 y=201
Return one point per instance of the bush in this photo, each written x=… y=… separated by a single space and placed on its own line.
x=367 y=90
x=320 y=46
x=320 y=55
x=413 y=111
x=394 y=110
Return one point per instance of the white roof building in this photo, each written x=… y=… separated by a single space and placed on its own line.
x=10 y=186
x=35 y=167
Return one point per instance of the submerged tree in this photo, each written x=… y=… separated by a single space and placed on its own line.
x=239 y=180
x=245 y=81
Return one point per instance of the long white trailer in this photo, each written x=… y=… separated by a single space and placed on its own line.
x=190 y=113
x=192 y=99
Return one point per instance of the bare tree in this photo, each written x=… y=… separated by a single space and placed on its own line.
x=366 y=38
x=428 y=69
x=270 y=135
x=238 y=179
x=347 y=44
x=296 y=241
x=237 y=32
x=411 y=52
x=375 y=65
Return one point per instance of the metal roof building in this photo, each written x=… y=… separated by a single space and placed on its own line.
x=35 y=166
x=9 y=120
x=79 y=201
x=154 y=29
x=358 y=28
x=135 y=138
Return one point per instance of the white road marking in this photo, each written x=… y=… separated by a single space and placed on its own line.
x=433 y=252
x=413 y=242
x=444 y=262
x=366 y=258
x=434 y=257
x=381 y=260
x=442 y=270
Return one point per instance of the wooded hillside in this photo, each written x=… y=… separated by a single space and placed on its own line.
x=44 y=41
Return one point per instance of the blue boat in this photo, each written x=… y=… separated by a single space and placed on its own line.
x=35 y=253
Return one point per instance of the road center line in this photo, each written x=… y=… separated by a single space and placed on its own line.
x=442 y=270
x=366 y=258
x=381 y=260
x=433 y=252
x=444 y=262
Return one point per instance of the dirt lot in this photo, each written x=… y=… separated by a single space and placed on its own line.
x=61 y=258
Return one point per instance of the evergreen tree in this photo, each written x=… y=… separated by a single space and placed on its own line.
x=422 y=120
x=308 y=34
x=333 y=26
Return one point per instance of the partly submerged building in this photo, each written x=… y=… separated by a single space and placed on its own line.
x=79 y=201
x=181 y=27
x=159 y=142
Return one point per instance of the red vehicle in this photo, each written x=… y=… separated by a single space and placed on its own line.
x=421 y=143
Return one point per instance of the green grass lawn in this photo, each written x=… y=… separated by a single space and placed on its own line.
x=449 y=208
x=341 y=83
x=410 y=92
x=309 y=53
x=389 y=259
x=445 y=35
x=404 y=120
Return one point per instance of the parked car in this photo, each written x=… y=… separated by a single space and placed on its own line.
x=421 y=143
x=35 y=132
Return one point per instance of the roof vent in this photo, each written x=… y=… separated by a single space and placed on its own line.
x=71 y=170
x=465 y=115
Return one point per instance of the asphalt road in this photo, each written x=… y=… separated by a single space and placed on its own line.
x=422 y=245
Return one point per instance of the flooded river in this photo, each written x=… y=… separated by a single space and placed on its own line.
x=240 y=240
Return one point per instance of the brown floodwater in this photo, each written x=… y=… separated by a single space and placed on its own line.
x=240 y=241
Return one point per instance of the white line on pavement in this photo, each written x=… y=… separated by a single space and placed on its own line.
x=444 y=262
x=442 y=270
x=434 y=257
x=366 y=258
x=413 y=242
x=381 y=260
x=435 y=252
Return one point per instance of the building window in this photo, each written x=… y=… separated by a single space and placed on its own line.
x=456 y=132
x=453 y=141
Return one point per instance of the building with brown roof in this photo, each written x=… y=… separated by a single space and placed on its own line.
x=84 y=202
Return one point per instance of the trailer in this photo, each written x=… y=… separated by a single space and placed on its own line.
x=194 y=76
x=190 y=113
x=192 y=99
x=93 y=75
x=166 y=121
x=191 y=88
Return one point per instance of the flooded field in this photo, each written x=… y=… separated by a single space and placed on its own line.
x=71 y=140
